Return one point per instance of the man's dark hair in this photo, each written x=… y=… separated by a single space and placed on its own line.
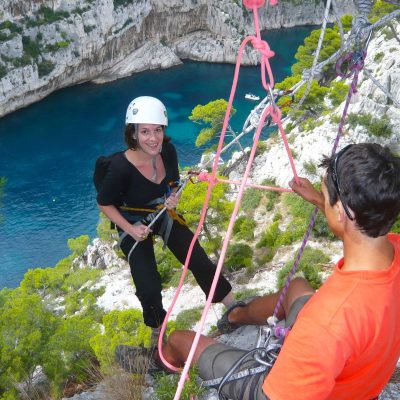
x=369 y=178
x=131 y=132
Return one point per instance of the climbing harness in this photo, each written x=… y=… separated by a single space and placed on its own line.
x=265 y=353
x=269 y=343
x=155 y=211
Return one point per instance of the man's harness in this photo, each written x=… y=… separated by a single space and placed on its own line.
x=269 y=344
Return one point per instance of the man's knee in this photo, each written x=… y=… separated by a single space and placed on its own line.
x=175 y=338
x=301 y=284
x=298 y=287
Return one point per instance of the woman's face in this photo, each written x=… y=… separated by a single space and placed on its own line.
x=150 y=138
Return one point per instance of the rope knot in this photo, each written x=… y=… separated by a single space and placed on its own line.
x=276 y=114
x=254 y=3
x=263 y=47
x=204 y=176
x=280 y=332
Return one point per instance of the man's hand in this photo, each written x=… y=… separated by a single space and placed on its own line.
x=306 y=190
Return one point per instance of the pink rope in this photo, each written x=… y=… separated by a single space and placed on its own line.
x=195 y=237
x=276 y=115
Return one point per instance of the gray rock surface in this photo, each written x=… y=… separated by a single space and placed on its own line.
x=95 y=40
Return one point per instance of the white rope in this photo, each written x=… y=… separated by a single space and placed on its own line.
x=394 y=2
x=364 y=6
x=339 y=23
x=314 y=69
x=394 y=31
x=380 y=86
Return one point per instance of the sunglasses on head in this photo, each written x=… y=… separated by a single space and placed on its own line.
x=335 y=179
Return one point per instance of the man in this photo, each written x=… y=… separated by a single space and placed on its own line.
x=346 y=340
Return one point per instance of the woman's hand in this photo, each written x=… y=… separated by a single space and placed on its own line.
x=172 y=201
x=139 y=231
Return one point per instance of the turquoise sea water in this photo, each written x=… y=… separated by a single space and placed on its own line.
x=48 y=150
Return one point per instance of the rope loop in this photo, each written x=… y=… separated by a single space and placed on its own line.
x=254 y=3
x=263 y=47
x=250 y=4
x=352 y=61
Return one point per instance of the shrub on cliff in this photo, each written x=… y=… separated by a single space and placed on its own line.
x=309 y=266
x=120 y=327
x=44 y=68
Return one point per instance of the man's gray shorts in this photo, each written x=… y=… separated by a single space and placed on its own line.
x=217 y=359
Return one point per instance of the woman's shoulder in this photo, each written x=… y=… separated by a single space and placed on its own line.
x=117 y=158
x=117 y=163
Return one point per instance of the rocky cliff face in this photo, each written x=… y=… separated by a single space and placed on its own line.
x=49 y=44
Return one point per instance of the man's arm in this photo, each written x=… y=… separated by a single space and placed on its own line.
x=306 y=190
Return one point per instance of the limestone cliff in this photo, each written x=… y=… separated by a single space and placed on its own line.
x=49 y=44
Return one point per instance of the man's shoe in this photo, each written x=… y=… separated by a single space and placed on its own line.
x=223 y=324
x=137 y=360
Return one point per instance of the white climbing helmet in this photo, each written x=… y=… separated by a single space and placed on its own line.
x=146 y=110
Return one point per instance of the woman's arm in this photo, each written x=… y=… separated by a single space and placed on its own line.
x=138 y=231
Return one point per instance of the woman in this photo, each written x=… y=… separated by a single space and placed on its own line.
x=137 y=180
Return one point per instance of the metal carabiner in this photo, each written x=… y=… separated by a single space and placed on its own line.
x=271 y=96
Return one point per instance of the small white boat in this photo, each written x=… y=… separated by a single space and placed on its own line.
x=251 y=96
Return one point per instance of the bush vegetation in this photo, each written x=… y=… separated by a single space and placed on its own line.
x=238 y=256
x=244 y=228
x=57 y=46
x=121 y=3
x=46 y=15
x=251 y=199
x=187 y=318
x=309 y=266
x=11 y=26
x=310 y=167
x=166 y=384
x=31 y=48
x=45 y=68
x=379 y=127
x=3 y=71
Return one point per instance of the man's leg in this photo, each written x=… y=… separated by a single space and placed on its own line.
x=257 y=311
x=216 y=359
x=178 y=346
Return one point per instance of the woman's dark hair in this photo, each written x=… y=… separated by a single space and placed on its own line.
x=131 y=134
x=369 y=176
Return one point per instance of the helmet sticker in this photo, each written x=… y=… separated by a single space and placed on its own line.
x=135 y=111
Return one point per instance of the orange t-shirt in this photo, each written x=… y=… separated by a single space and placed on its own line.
x=346 y=341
